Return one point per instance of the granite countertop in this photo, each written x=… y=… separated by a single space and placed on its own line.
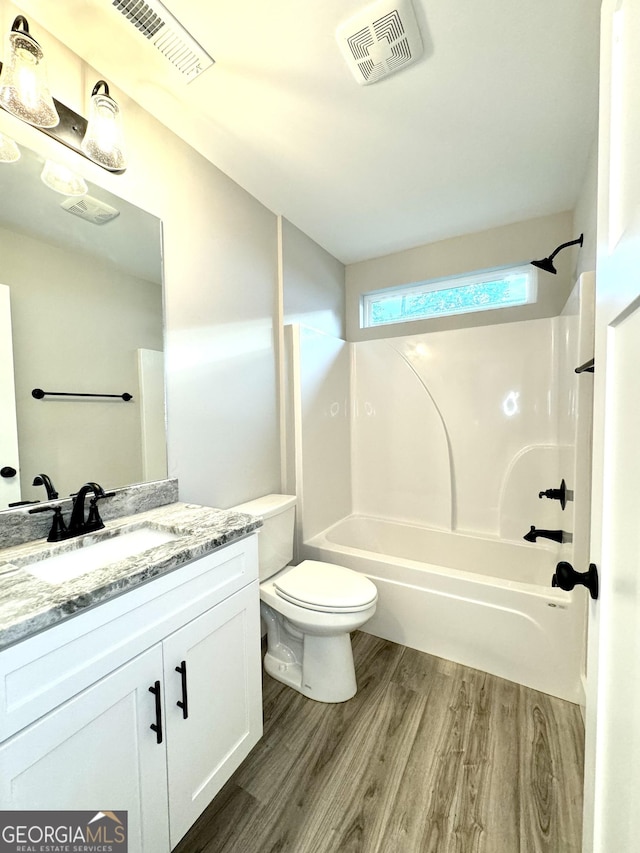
x=29 y=605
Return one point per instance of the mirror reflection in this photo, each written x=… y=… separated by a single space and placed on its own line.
x=80 y=314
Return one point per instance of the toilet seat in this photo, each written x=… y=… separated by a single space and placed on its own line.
x=325 y=587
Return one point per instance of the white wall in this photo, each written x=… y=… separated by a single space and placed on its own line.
x=312 y=296
x=511 y=245
x=77 y=324
x=313 y=284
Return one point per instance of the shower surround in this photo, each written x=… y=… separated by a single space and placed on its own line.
x=411 y=451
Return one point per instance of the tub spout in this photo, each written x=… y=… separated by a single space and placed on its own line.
x=555 y=535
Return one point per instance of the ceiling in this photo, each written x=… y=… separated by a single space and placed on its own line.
x=492 y=125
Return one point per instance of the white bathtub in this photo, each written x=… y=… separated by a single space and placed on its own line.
x=482 y=602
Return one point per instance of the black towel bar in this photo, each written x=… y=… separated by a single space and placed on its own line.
x=38 y=393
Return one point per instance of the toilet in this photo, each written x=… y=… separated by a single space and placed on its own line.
x=309 y=609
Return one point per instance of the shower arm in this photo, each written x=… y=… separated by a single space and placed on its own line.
x=564 y=246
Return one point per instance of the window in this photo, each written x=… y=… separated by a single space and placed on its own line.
x=482 y=291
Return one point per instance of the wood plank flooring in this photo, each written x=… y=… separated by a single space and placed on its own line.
x=428 y=757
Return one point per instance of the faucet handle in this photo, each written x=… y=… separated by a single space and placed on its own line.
x=556 y=494
x=94 y=521
x=100 y=496
x=58 y=530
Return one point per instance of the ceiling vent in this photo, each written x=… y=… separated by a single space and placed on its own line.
x=380 y=40
x=90 y=209
x=157 y=24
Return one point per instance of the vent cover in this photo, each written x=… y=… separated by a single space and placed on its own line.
x=91 y=209
x=380 y=40
x=158 y=25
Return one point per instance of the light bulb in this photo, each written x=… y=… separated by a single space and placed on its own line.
x=103 y=141
x=24 y=90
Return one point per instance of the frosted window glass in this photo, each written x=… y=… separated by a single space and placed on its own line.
x=426 y=300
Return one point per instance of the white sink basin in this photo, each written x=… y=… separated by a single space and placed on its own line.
x=93 y=553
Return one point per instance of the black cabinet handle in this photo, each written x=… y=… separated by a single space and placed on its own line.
x=157 y=726
x=182 y=669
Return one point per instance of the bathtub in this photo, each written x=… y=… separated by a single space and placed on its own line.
x=481 y=602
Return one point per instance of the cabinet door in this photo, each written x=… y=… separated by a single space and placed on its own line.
x=223 y=692
x=97 y=752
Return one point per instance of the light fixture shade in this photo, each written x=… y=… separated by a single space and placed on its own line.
x=9 y=151
x=103 y=141
x=24 y=90
x=63 y=180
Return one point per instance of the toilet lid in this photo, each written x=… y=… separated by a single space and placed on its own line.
x=323 y=586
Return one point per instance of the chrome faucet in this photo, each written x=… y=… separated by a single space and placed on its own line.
x=555 y=535
x=78 y=524
x=45 y=480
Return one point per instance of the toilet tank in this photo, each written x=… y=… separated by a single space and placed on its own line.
x=275 y=539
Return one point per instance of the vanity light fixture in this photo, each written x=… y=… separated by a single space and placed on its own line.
x=63 y=180
x=103 y=141
x=24 y=90
x=9 y=151
x=24 y=93
x=546 y=264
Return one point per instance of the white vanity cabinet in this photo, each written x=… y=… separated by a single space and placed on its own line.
x=96 y=752
x=224 y=703
x=92 y=745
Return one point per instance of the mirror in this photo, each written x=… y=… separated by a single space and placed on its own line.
x=81 y=296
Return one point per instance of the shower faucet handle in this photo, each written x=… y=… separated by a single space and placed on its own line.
x=556 y=494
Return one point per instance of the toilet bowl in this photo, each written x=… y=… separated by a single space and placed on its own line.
x=308 y=642
x=309 y=609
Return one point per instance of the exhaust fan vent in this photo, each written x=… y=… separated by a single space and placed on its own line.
x=90 y=209
x=158 y=25
x=380 y=40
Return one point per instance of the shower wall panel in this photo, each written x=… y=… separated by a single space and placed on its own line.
x=441 y=420
x=401 y=459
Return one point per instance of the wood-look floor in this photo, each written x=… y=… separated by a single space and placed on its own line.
x=428 y=757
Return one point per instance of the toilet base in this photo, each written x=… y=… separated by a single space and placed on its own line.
x=319 y=667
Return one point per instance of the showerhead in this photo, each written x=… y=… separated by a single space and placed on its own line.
x=546 y=264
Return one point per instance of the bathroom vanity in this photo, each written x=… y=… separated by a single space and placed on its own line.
x=135 y=685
